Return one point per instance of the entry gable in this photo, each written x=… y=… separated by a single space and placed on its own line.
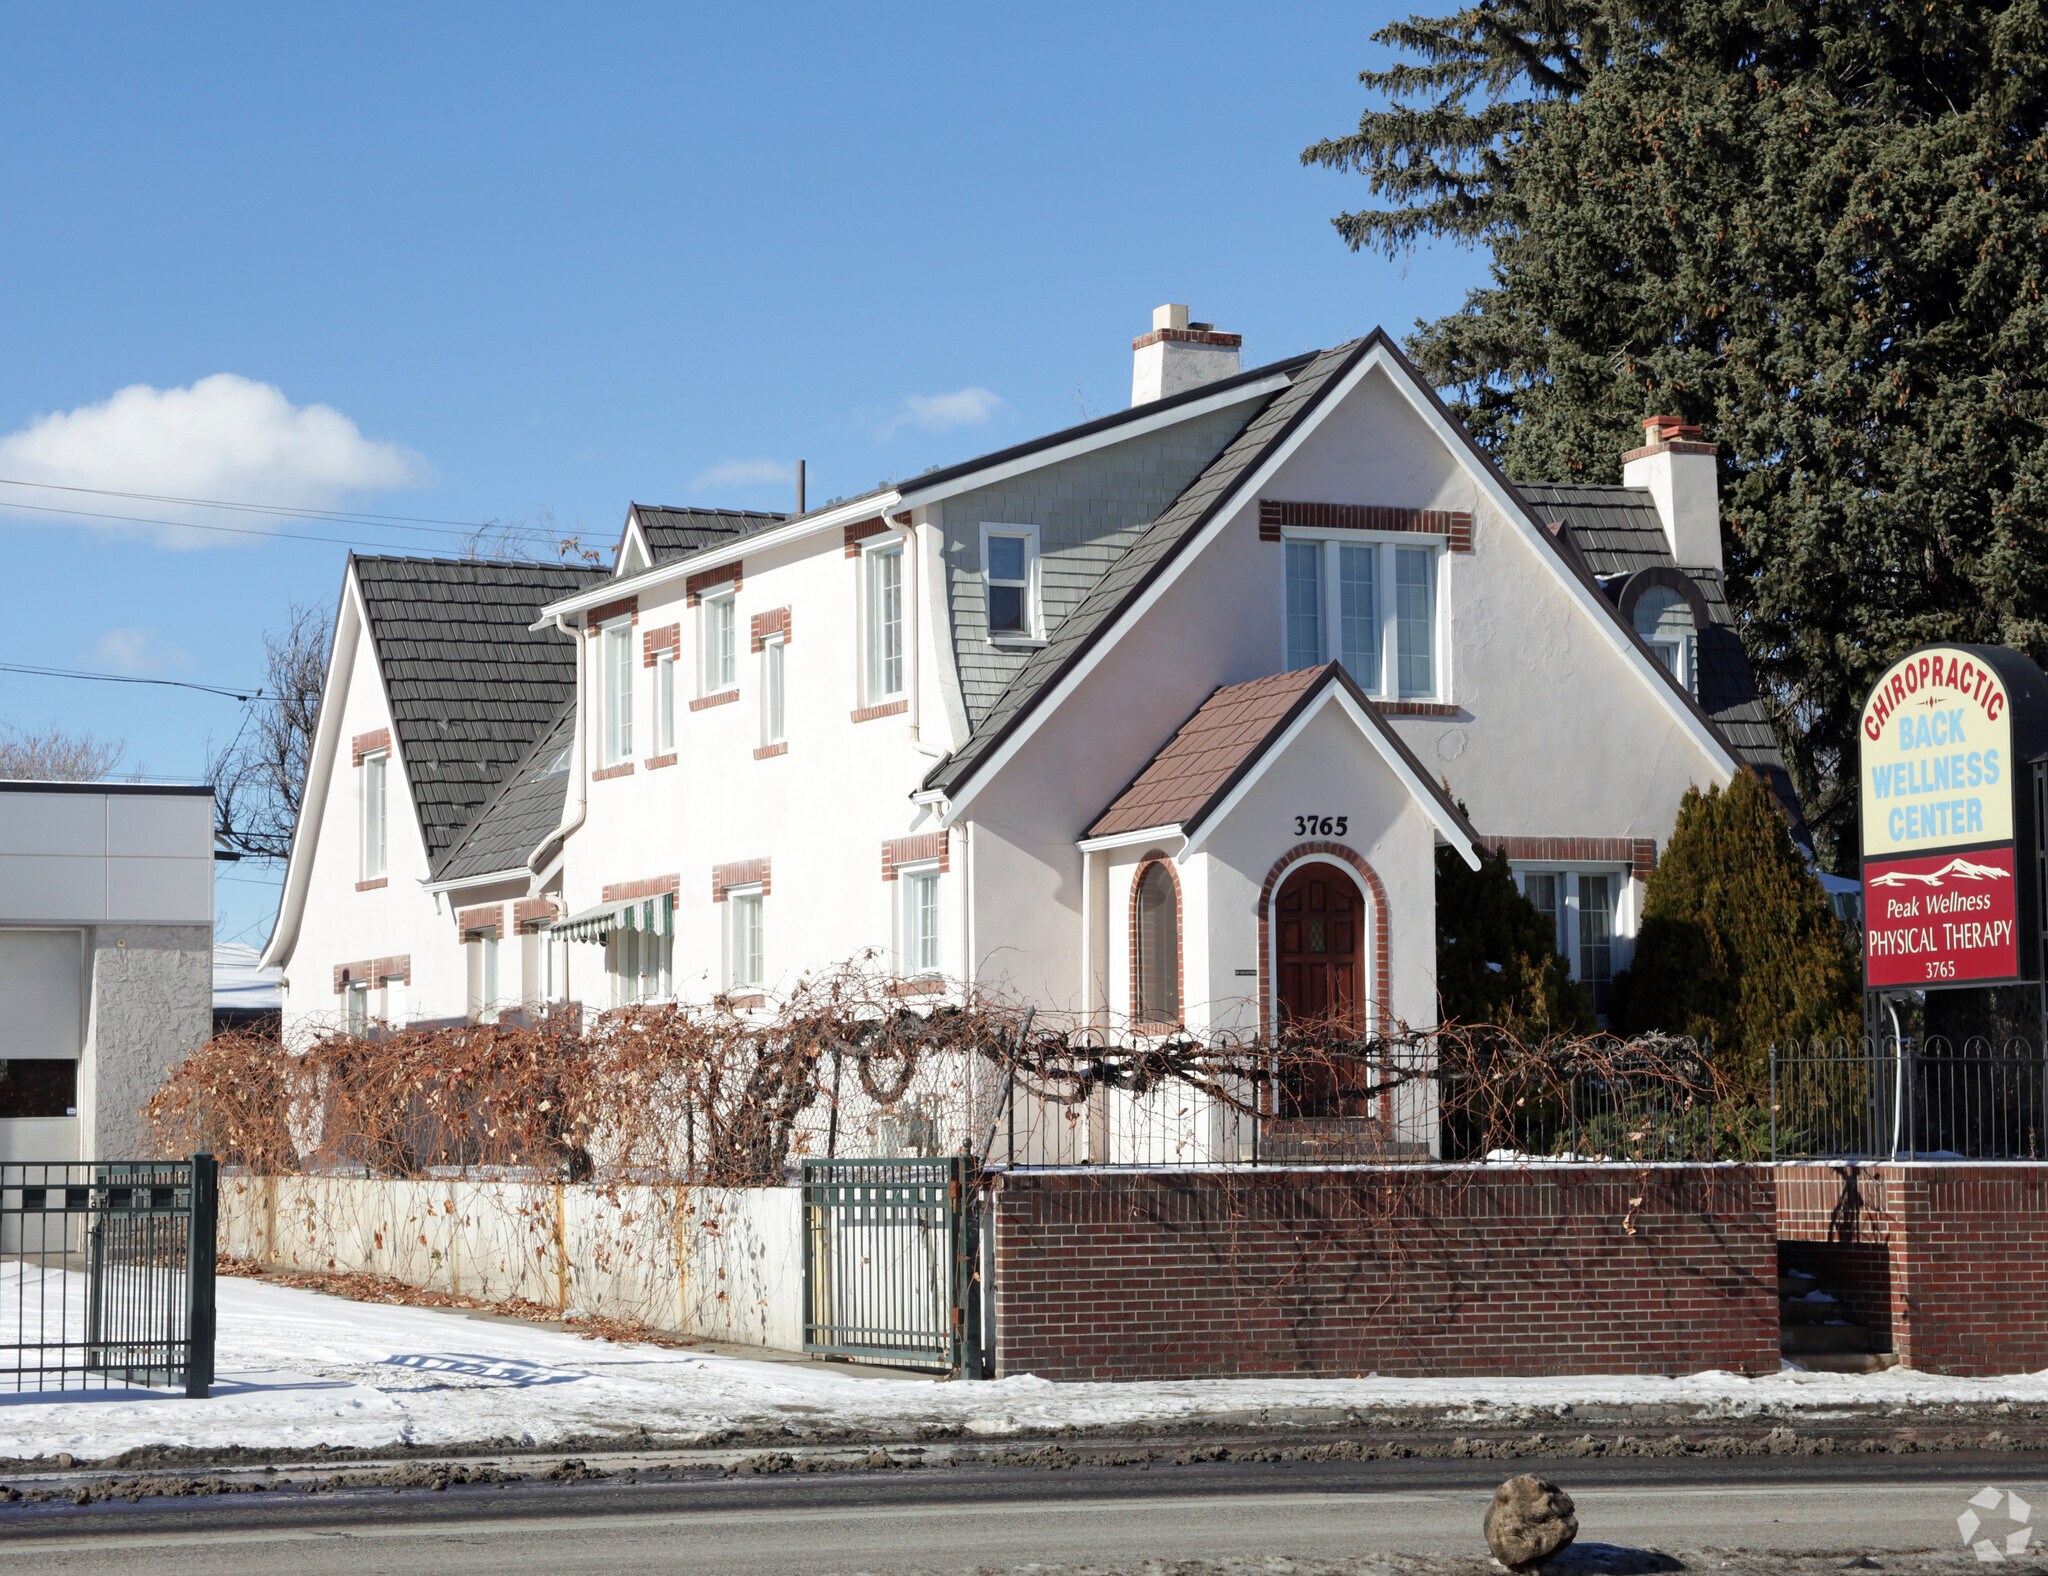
x=1220 y=753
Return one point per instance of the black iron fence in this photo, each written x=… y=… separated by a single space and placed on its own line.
x=106 y=1274
x=1881 y=1097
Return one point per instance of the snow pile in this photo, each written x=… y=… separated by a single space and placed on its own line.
x=298 y=1369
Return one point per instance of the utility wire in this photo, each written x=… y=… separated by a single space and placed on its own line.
x=528 y=533
x=129 y=678
x=256 y=508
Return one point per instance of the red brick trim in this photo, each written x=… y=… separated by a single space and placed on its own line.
x=534 y=913
x=916 y=850
x=768 y=750
x=487 y=919
x=924 y=985
x=1639 y=854
x=1656 y=449
x=647 y=886
x=855 y=534
x=369 y=743
x=1455 y=525
x=657 y=642
x=373 y=886
x=744 y=872
x=606 y=773
x=894 y=708
x=710 y=579
x=1381 y=961
x=1188 y=336
x=654 y=763
x=626 y=606
x=1180 y=981
x=1415 y=708
x=766 y=626
x=706 y=702
x=373 y=972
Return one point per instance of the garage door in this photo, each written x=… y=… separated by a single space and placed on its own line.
x=41 y=993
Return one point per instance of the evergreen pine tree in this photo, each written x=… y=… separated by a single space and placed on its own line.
x=1496 y=956
x=1738 y=942
x=1817 y=228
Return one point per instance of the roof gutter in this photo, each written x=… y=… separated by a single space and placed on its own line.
x=488 y=878
x=681 y=569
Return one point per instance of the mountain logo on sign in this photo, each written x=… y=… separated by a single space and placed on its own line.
x=1955 y=869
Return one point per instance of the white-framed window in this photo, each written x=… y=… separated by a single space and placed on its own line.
x=356 y=1008
x=718 y=668
x=774 y=669
x=920 y=884
x=641 y=964
x=1583 y=907
x=615 y=643
x=1009 y=575
x=485 y=996
x=665 y=703
x=882 y=621
x=1373 y=605
x=376 y=775
x=1664 y=620
x=746 y=954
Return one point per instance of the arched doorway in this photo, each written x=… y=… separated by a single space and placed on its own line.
x=1321 y=924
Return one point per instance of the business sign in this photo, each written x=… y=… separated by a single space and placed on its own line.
x=1943 y=817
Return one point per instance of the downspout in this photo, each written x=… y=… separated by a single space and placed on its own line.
x=576 y=801
x=914 y=552
x=967 y=963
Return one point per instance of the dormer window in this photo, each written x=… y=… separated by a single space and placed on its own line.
x=1009 y=556
x=1664 y=620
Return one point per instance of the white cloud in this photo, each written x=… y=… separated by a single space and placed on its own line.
x=744 y=474
x=225 y=437
x=137 y=648
x=938 y=412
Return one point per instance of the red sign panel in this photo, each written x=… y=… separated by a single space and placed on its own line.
x=1948 y=919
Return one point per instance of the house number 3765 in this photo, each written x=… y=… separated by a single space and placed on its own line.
x=1321 y=825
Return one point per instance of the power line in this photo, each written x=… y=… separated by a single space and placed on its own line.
x=528 y=533
x=256 y=508
x=129 y=678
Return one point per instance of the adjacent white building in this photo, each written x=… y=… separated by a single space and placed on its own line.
x=1157 y=720
x=106 y=959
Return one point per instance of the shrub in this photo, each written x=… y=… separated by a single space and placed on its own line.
x=1496 y=956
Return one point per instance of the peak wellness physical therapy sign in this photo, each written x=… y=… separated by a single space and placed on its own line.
x=1944 y=818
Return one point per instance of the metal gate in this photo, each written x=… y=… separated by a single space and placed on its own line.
x=888 y=1260
x=106 y=1274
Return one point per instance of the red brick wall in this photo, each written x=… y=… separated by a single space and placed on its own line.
x=1953 y=1254
x=1412 y=1270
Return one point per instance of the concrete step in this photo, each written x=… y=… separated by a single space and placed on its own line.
x=1799 y=1310
x=1845 y=1362
x=1797 y=1339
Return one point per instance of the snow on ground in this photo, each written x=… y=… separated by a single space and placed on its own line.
x=299 y=1369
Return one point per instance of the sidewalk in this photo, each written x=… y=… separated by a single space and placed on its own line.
x=299 y=1370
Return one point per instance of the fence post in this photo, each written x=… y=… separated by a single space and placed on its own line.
x=1774 y=1099
x=200 y=1247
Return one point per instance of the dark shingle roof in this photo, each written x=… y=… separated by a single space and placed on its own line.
x=1159 y=544
x=521 y=814
x=675 y=532
x=470 y=687
x=1617 y=533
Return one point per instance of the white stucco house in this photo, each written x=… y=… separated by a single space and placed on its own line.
x=106 y=959
x=1158 y=719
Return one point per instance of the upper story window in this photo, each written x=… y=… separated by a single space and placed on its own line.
x=774 y=660
x=376 y=770
x=1581 y=906
x=665 y=703
x=920 y=919
x=1009 y=557
x=1155 y=944
x=1371 y=605
x=615 y=646
x=882 y=618
x=719 y=668
x=1665 y=622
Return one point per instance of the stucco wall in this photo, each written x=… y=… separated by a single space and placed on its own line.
x=149 y=1003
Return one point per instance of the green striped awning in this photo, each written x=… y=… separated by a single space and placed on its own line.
x=656 y=914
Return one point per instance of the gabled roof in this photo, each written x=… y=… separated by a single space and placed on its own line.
x=1161 y=541
x=676 y=532
x=469 y=685
x=1618 y=532
x=1231 y=733
x=520 y=815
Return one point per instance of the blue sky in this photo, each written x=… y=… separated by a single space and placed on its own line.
x=524 y=264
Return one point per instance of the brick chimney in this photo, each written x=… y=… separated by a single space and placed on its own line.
x=1178 y=355
x=1679 y=472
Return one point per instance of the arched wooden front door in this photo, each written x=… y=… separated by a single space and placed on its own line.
x=1320 y=921
x=1319 y=918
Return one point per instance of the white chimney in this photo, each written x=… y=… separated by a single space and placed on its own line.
x=1178 y=355
x=1681 y=476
